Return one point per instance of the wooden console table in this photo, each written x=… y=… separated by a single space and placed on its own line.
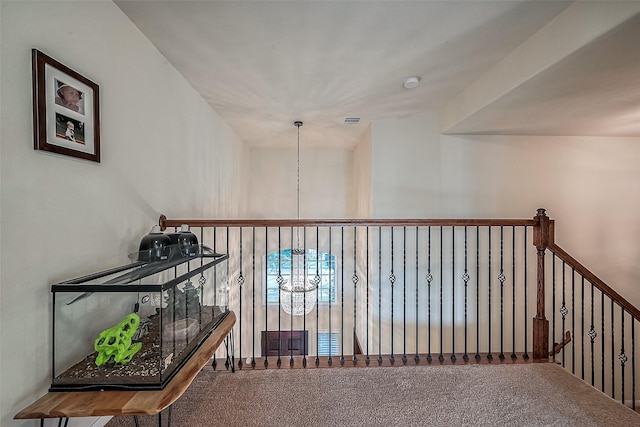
x=123 y=402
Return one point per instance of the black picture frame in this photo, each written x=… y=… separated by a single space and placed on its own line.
x=66 y=110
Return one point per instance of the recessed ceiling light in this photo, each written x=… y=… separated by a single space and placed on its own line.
x=412 y=82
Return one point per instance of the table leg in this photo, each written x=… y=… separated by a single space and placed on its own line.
x=168 y=417
x=229 y=346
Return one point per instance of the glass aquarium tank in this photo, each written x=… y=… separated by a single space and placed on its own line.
x=133 y=327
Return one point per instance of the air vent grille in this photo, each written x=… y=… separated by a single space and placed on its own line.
x=351 y=120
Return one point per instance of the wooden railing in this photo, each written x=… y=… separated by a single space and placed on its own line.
x=602 y=326
x=445 y=290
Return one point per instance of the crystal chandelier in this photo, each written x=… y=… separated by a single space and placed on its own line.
x=298 y=293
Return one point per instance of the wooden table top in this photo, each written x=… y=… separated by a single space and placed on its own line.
x=125 y=402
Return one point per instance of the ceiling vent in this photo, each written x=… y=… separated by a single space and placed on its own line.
x=351 y=120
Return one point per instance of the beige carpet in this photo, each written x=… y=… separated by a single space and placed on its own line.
x=461 y=395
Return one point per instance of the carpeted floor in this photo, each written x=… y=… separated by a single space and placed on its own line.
x=461 y=395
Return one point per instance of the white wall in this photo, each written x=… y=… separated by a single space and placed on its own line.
x=405 y=163
x=588 y=184
x=164 y=150
x=324 y=179
x=360 y=186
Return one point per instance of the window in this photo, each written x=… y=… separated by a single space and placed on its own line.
x=328 y=341
x=317 y=263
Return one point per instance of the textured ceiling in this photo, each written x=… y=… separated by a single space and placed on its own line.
x=261 y=65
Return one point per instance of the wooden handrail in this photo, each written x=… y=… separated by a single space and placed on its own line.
x=541 y=224
x=595 y=280
x=165 y=223
x=543 y=235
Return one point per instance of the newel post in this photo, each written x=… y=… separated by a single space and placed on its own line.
x=540 y=322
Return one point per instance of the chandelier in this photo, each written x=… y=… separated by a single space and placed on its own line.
x=298 y=292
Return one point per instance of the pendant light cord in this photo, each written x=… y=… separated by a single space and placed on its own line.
x=298 y=124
